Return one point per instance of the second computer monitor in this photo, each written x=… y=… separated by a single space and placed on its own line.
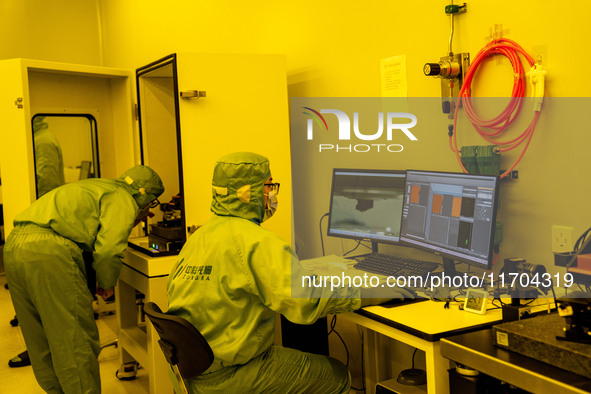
x=451 y=214
x=366 y=204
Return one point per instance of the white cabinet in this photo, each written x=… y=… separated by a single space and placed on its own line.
x=31 y=87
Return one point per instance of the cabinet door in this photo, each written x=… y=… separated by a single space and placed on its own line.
x=244 y=109
x=18 y=187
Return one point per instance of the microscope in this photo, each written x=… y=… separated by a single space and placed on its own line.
x=518 y=292
x=168 y=234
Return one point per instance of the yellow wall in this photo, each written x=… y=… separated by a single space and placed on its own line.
x=57 y=30
x=333 y=47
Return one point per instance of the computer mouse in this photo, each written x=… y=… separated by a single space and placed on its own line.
x=412 y=377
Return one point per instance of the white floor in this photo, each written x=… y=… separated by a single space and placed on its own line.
x=22 y=380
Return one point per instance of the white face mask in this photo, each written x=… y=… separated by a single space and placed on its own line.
x=271 y=205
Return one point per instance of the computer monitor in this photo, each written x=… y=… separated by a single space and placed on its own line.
x=451 y=214
x=366 y=204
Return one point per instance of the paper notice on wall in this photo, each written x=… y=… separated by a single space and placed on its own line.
x=393 y=70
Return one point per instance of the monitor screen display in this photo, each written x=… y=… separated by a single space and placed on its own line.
x=366 y=204
x=451 y=214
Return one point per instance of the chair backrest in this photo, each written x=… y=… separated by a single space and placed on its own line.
x=182 y=344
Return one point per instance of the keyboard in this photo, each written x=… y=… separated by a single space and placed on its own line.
x=388 y=265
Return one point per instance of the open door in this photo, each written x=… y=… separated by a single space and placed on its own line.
x=159 y=126
x=65 y=149
x=83 y=107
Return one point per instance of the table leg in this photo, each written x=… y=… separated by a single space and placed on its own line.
x=126 y=311
x=437 y=366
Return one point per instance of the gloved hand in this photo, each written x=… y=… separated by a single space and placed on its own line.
x=377 y=296
x=105 y=293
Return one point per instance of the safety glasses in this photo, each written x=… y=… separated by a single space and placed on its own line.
x=274 y=187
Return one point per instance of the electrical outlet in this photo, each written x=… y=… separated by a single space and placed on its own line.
x=562 y=239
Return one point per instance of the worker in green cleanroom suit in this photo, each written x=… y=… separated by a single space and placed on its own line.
x=231 y=278
x=46 y=275
x=49 y=163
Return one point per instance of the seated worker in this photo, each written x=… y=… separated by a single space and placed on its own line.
x=245 y=278
x=46 y=275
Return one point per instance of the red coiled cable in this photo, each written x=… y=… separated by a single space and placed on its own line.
x=498 y=124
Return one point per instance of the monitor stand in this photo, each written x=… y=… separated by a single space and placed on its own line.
x=374 y=247
x=449 y=267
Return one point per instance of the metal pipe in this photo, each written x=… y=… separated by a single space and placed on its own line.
x=451 y=33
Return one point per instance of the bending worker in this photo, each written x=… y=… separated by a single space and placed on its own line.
x=46 y=275
x=244 y=278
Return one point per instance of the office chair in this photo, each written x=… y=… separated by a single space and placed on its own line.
x=185 y=349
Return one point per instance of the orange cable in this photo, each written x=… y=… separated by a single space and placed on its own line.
x=498 y=124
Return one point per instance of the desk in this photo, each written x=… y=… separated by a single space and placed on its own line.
x=477 y=351
x=139 y=342
x=420 y=325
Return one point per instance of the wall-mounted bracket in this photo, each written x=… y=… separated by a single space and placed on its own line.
x=453 y=9
x=451 y=69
